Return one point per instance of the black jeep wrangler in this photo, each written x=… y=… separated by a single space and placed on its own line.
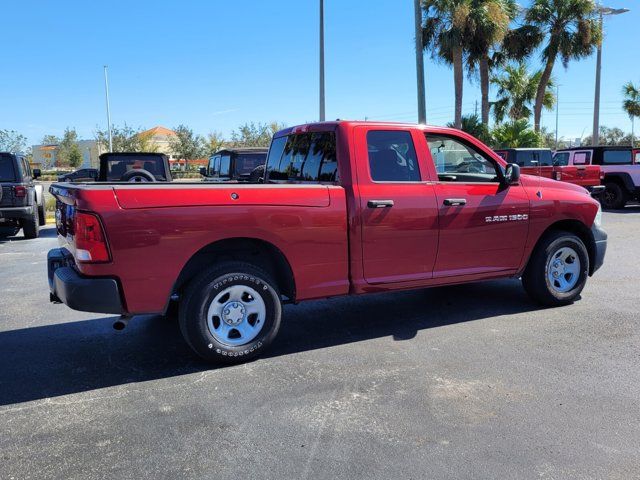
x=21 y=199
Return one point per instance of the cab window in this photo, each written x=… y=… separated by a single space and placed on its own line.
x=581 y=158
x=616 y=157
x=456 y=161
x=392 y=156
x=561 y=159
x=305 y=157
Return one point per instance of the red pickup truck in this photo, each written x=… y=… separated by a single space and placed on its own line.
x=347 y=208
x=542 y=162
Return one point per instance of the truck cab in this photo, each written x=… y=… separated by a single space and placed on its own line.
x=21 y=198
x=234 y=165
x=620 y=171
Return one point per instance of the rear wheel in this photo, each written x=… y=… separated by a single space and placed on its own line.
x=614 y=196
x=31 y=225
x=42 y=218
x=230 y=312
x=557 y=270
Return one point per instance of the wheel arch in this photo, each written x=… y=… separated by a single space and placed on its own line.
x=580 y=230
x=622 y=178
x=255 y=251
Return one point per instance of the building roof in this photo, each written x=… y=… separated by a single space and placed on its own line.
x=159 y=130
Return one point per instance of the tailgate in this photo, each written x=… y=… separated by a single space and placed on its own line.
x=65 y=209
x=585 y=176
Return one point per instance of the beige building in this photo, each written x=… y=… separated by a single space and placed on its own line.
x=160 y=139
x=45 y=156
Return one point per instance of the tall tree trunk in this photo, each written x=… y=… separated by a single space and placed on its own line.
x=457 y=80
x=542 y=88
x=484 y=88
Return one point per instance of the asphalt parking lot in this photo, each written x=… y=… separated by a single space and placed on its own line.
x=471 y=381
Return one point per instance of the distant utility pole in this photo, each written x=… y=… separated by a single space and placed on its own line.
x=322 y=117
x=475 y=110
x=422 y=108
x=106 y=91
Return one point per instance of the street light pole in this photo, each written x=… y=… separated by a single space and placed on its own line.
x=595 y=136
x=106 y=91
x=422 y=109
x=557 y=110
x=322 y=116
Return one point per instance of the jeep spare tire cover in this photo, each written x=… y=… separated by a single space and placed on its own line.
x=138 y=175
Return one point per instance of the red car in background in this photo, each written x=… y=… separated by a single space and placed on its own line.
x=542 y=162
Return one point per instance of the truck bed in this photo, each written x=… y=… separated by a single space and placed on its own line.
x=154 y=229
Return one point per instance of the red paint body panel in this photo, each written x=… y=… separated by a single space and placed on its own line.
x=333 y=242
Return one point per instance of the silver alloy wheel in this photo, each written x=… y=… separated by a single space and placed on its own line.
x=236 y=315
x=563 y=269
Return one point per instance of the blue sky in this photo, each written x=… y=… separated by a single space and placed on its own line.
x=215 y=64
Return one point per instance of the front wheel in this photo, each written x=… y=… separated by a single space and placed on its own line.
x=557 y=270
x=230 y=312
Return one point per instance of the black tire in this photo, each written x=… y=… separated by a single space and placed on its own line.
x=42 y=217
x=31 y=225
x=138 y=175
x=535 y=279
x=200 y=294
x=614 y=196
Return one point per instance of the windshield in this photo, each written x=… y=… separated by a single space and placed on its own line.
x=246 y=163
x=119 y=165
x=7 y=172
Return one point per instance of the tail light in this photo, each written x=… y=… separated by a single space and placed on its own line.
x=20 y=191
x=89 y=239
x=601 y=176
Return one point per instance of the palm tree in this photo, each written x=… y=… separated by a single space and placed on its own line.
x=569 y=29
x=473 y=126
x=517 y=91
x=516 y=134
x=446 y=28
x=631 y=104
x=491 y=19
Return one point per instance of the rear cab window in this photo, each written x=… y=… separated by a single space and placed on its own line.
x=303 y=158
x=118 y=165
x=7 y=169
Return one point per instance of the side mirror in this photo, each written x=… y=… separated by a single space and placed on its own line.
x=203 y=171
x=512 y=173
x=37 y=173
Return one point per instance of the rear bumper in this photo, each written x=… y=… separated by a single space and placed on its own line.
x=600 y=239
x=66 y=285
x=18 y=213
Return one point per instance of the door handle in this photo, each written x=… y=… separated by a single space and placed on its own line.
x=454 y=202
x=380 y=203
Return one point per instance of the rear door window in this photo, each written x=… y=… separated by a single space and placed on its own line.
x=306 y=157
x=392 y=156
x=616 y=157
x=7 y=171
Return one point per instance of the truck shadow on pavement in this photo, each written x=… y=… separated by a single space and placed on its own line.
x=66 y=358
x=44 y=233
